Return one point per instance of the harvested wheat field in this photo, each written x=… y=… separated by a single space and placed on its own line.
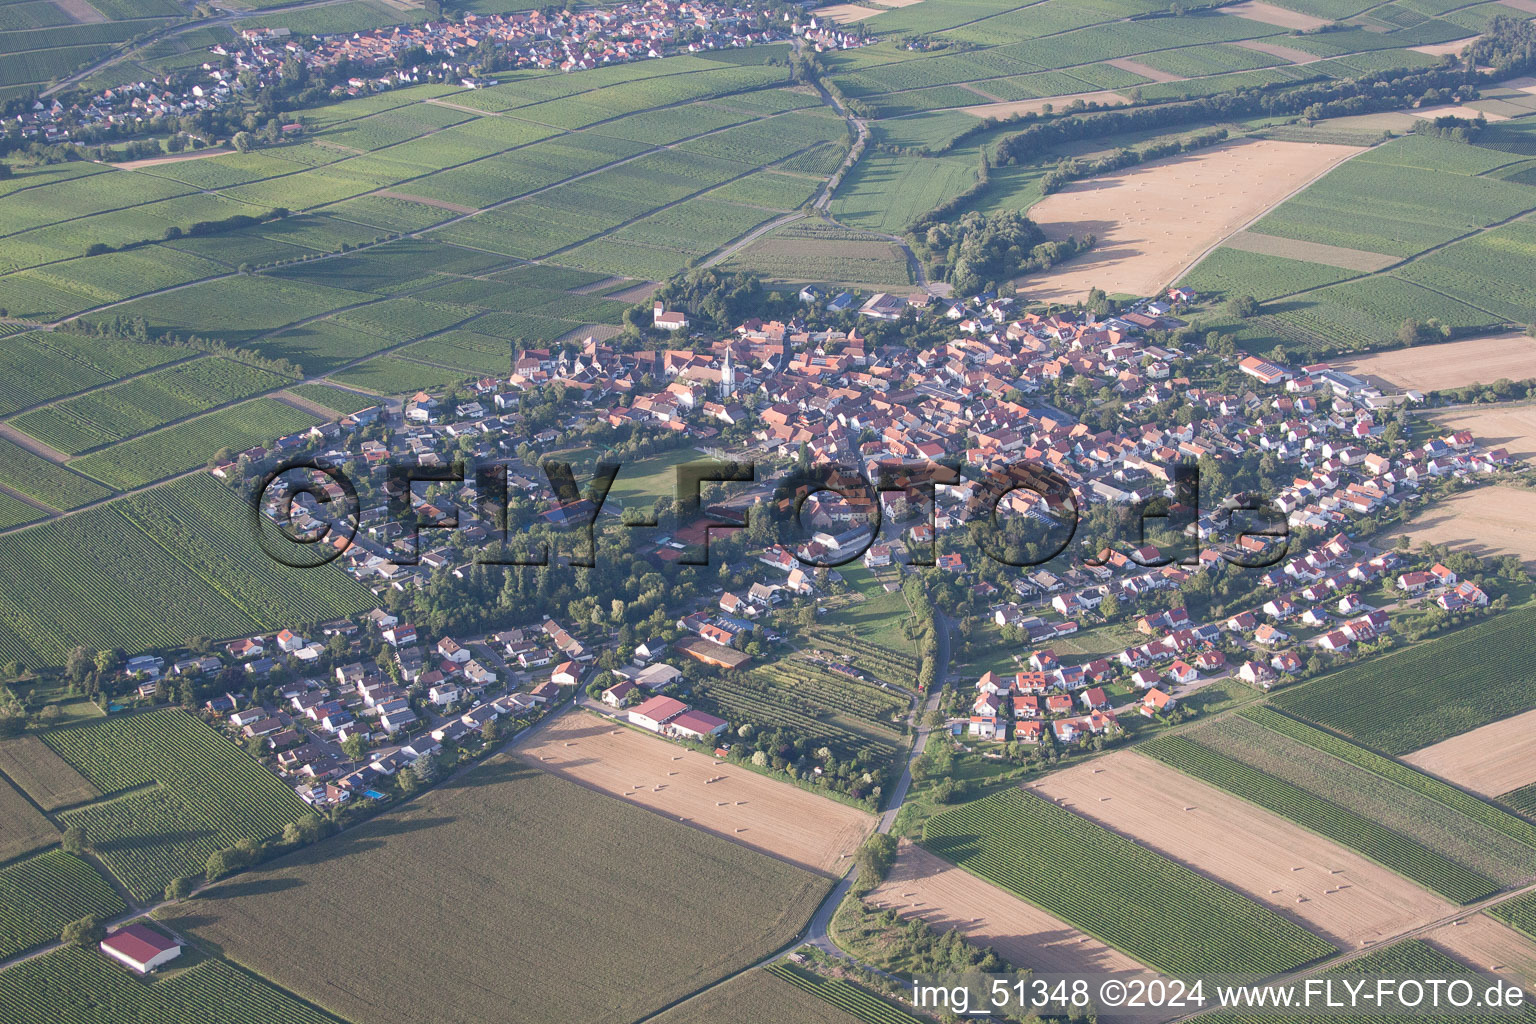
x=802 y=828
x=1512 y=427
x=1490 y=761
x=1103 y=99
x=1455 y=46
x=1269 y=14
x=1450 y=364
x=1340 y=895
x=844 y=13
x=1154 y=221
x=1484 y=521
x=922 y=885
x=1490 y=946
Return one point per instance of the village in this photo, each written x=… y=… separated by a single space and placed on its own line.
x=341 y=714
x=468 y=52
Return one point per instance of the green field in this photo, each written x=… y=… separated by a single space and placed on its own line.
x=79 y=986
x=184 y=792
x=1353 y=831
x=40 y=895
x=1431 y=691
x=1159 y=912
x=845 y=997
x=43 y=775
x=1519 y=913
x=729 y=905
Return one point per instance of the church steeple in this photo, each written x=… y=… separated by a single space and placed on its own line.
x=727 y=376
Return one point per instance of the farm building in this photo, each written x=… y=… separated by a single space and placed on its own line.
x=696 y=725
x=140 y=948
x=657 y=712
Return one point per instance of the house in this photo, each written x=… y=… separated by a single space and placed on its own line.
x=140 y=947
x=1156 y=702
x=1094 y=698
x=696 y=725
x=1255 y=673
x=450 y=650
x=567 y=673
x=444 y=693
x=1182 y=672
x=616 y=694
x=983 y=728
x=402 y=635
x=1413 y=583
x=1145 y=679
x=667 y=320
x=655 y=713
x=1288 y=662
x=1267 y=634
x=658 y=676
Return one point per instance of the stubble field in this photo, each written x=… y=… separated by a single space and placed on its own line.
x=1490 y=946
x=811 y=831
x=1154 y=220
x=1488 y=521
x=947 y=897
x=1342 y=896
x=1453 y=364
x=1495 y=759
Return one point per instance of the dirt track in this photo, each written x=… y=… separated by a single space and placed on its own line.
x=947 y=897
x=774 y=817
x=1332 y=891
x=1154 y=220
x=1495 y=759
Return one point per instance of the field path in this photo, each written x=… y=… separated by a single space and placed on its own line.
x=24 y=440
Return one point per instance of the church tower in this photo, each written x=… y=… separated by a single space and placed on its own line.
x=727 y=377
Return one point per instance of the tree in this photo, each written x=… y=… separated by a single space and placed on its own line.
x=12 y=724
x=1244 y=306
x=75 y=841
x=875 y=858
x=355 y=746
x=179 y=888
x=242 y=141
x=87 y=932
x=490 y=731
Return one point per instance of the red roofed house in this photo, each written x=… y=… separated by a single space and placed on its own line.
x=696 y=725
x=1155 y=701
x=567 y=673
x=140 y=948
x=656 y=712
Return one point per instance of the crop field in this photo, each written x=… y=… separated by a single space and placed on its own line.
x=1367 y=312
x=948 y=898
x=1456 y=825
x=189 y=792
x=729 y=906
x=1159 y=912
x=464 y=350
x=22 y=828
x=1409 y=958
x=202 y=521
x=1522 y=801
x=1402 y=198
x=394 y=375
x=684 y=785
x=1484 y=942
x=793 y=253
x=44 y=776
x=144 y=403
x=1519 y=913
x=1304 y=877
x=763 y=704
x=757 y=997
x=1230 y=271
x=80 y=986
x=38 y=366
x=1356 y=832
x=885 y=192
x=844 y=996
x=321 y=346
x=1485 y=271
x=1494 y=759
x=154 y=456
x=158 y=599
x=342 y=401
x=15 y=512
x=1431 y=691
x=40 y=895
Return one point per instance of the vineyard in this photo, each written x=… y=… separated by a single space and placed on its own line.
x=49 y=483
x=161 y=453
x=762 y=704
x=42 y=894
x=846 y=997
x=43 y=775
x=1409 y=778
x=756 y=997
x=1159 y=912
x=1351 y=830
x=1429 y=692
x=1522 y=800
x=80 y=986
x=192 y=792
x=1519 y=913
x=22 y=828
